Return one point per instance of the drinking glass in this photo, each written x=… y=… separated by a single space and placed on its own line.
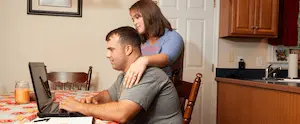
x=22 y=92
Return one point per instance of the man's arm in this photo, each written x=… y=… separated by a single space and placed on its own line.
x=106 y=95
x=130 y=103
x=102 y=97
x=121 y=111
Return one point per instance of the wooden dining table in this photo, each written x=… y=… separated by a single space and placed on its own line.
x=13 y=113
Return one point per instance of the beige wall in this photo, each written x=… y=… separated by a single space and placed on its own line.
x=63 y=43
x=248 y=48
x=72 y=44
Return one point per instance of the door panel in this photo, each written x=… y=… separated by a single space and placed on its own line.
x=194 y=19
x=194 y=46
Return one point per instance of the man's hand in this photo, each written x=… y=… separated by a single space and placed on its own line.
x=89 y=100
x=135 y=72
x=71 y=105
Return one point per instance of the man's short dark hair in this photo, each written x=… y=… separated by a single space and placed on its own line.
x=128 y=35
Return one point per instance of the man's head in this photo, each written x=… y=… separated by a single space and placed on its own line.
x=123 y=47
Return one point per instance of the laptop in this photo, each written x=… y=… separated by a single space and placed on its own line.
x=46 y=106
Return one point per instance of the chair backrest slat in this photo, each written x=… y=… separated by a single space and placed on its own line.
x=187 y=92
x=71 y=80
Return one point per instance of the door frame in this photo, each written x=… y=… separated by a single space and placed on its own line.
x=213 y=118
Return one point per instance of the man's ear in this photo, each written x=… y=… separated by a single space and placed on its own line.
x=128 y=50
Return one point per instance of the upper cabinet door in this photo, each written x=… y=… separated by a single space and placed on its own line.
x=242 y=17
x=249 y=18
x=266 y=22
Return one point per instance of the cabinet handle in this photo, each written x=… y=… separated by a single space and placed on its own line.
x=256 y=27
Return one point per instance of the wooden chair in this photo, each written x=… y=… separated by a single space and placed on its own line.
x=187 y=93
x=70 y=80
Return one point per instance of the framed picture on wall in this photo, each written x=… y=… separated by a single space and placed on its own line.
x=71 y=8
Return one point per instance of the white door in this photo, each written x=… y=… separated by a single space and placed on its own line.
x=194 y=20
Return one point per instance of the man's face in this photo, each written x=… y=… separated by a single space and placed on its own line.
x=116 y=53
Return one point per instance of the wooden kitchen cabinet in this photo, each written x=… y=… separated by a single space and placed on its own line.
x=249 y=18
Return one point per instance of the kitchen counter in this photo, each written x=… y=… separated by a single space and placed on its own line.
x=257 y=102
x=293 y=87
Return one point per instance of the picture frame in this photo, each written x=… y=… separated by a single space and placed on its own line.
x=69 y=8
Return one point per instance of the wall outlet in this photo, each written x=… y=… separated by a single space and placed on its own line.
x=259 y=61
x=238 y=58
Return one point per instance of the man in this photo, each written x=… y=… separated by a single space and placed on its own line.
x=153 y=100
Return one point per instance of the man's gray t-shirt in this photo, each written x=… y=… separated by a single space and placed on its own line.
x=155 y=93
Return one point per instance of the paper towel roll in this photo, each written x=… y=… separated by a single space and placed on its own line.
x=293 y=66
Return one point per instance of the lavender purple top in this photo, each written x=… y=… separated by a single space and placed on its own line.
x=171 y=44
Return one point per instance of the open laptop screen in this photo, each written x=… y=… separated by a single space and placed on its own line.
x=40 y=84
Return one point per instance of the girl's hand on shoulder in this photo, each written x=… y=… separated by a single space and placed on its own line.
x=135 y=72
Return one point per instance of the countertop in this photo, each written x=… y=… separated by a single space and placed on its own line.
x=293 y=87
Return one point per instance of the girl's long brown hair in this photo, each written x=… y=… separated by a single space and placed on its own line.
x=154 y=20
